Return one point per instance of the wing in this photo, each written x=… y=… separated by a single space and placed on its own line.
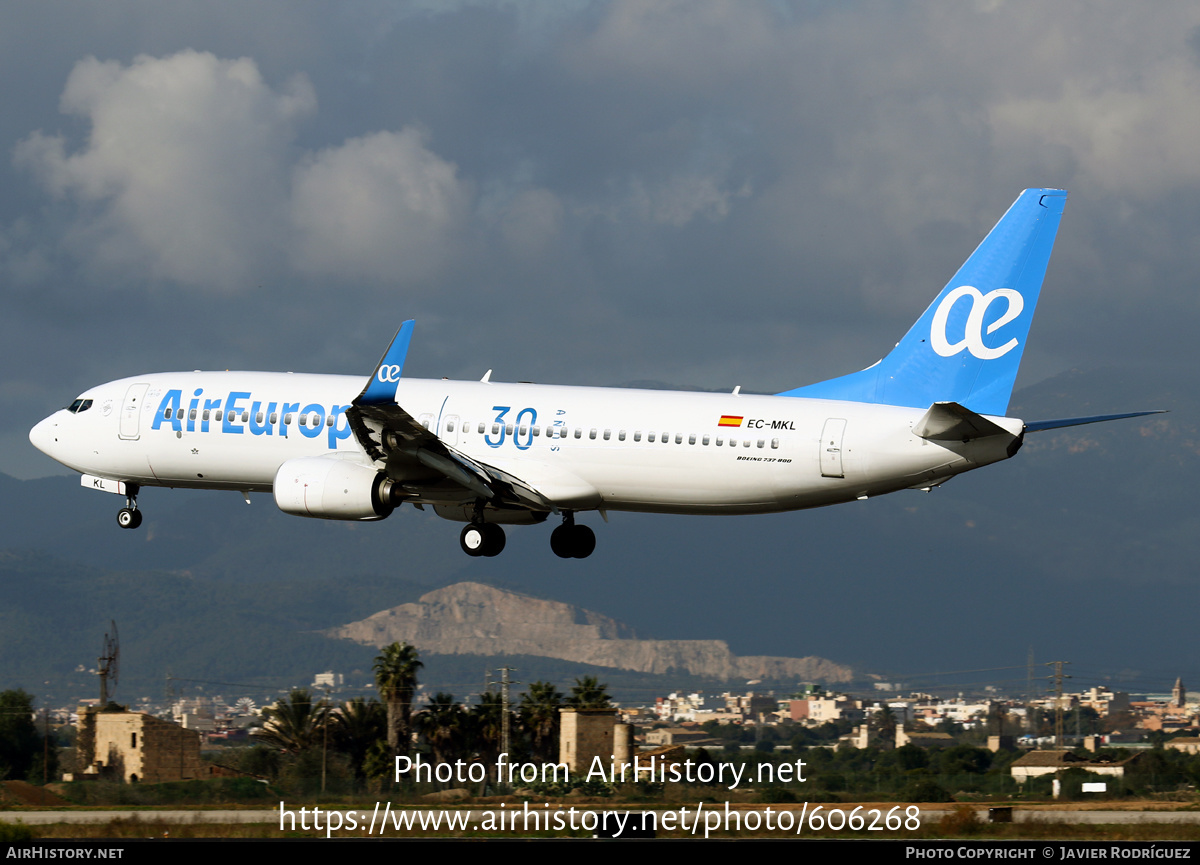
x=426 y=468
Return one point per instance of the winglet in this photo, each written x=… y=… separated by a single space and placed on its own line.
x=381 y=387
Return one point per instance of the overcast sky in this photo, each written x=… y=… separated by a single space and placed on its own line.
x=699 y=193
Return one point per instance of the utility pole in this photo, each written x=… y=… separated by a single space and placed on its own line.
x=325 y=737
x=1058 y=698
x=505 y=725
x=1030 y=726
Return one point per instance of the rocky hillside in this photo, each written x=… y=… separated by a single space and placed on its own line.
x=474 y=619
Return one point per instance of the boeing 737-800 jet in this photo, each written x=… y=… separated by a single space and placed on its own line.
x=489 y=453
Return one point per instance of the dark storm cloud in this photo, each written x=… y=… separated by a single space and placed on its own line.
x=702 y=193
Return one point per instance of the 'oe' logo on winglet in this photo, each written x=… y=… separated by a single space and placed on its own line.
x=388 y=372
x=973 y=330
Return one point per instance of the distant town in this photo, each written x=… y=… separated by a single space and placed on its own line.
x=349 y=735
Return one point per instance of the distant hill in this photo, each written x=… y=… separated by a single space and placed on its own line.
x=474 y=619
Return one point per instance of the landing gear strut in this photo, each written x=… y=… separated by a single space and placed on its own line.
x=129 y=517
x=571 y=541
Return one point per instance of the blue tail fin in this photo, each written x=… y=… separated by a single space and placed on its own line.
x=967 y=346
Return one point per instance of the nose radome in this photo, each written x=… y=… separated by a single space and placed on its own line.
x=42 y=435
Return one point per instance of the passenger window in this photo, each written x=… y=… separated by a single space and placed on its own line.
x=192 y=414
x=328 y=420
x=666 y=437
x=495 y=429
x=258 y=418
x=217 y=414
x=692 y=439
x=204 y=416
x=679 y=438
x=774 y=444
x=621 y=436
x=637 y=435
x=287 y=419
x=720 y=441
x=508 y=428
x=650 y=437
x=537 y=430
x=303 y=420
x=578 y=432
x=607 y=434
x=761 y=442
x=746 y=443
x=524 y=430
x=592 y=434
x=274 y=417
x=167 y=414
x=481 y=428
x=704 y=440
x=246 y=418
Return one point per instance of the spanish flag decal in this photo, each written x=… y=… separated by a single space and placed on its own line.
x=730 y=420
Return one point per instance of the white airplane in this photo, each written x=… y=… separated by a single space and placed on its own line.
x=489 y=453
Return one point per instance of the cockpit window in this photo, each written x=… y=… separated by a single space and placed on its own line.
x=79 y=405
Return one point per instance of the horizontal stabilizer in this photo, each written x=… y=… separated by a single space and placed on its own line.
x=949 y=421
x=1039 y=425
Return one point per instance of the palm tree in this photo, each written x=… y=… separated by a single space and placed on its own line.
x=357 y=726
x=293 y=724
x=443 y=725
x=396 y=679
x=588 y=693
x=486 y=726
x=540 y=718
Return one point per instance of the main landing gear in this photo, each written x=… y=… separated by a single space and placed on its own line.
x=571 y=541
x=482 y=539
x=129 y=517
x=568 y=541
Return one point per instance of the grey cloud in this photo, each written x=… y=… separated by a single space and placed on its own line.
x=381 y=207
x=181 y=174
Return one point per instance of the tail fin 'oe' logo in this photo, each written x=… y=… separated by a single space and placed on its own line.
x=973 y=330
x=388 y=372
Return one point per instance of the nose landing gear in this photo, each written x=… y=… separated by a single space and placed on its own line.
x=571 y=541
x=129 y=517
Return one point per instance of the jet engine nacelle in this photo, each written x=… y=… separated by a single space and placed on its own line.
x=332 y=489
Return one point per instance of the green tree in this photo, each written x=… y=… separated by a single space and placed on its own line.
x=539 y=717
x=293 y=725
x=588 y=693
x=20 y=745
x=486 y=722
x=887 y=723
x=443 y=725
x=356 y=726
x=396 y=679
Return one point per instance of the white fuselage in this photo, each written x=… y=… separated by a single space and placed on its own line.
x=583 y=448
